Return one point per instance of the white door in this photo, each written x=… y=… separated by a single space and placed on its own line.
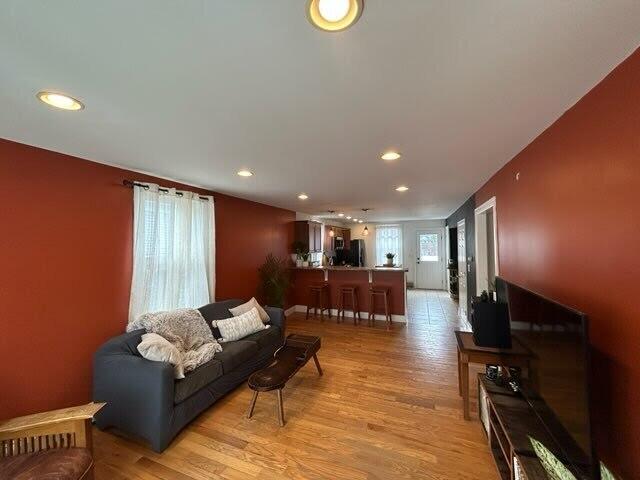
x=462 y=270
x=430 y=259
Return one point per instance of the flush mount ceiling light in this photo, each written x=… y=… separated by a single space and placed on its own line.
x=341 y=214
x=334 y=15
x=402 y=188
x=245 y=173
x=59 y=100
x=303 y=196
x=390 y=155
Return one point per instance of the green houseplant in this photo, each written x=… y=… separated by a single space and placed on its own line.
x=274 y=280
x=390 y=257
x=297 y=248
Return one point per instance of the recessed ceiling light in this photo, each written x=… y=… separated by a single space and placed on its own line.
x=390 y=155
x=334 y=15
x=341 y=214
x=245 y=173
x=303 y=196
x=348 y=217
x=355 y=220
x=402 y=188
x=59 y=100
x=360 y=221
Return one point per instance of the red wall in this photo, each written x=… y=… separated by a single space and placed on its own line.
x=65 y=268
x=570 y=229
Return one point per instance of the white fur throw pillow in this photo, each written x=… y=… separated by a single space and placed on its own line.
x=235 y=328
x=159 y=349
x=245 y=307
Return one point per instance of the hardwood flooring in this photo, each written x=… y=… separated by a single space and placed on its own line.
x=387 y=407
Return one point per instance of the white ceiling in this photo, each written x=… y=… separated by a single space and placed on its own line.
x=194 y=90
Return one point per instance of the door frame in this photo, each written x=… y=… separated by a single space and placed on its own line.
x=442 y=254
x=479 y=211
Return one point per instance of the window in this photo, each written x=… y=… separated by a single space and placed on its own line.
x=173 y=252
x=388 y=240
x=428 y=247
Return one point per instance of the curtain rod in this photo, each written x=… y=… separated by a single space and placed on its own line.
x=131 y=184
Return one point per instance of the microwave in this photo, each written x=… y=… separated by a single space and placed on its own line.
x=338 y=243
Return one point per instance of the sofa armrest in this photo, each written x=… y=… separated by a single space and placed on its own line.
x=277 y=317
x=138 y=392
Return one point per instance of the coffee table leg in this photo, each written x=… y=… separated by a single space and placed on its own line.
x=252 y=404
x=280 y=408
x=315 y=359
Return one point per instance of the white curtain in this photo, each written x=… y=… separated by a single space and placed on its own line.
x=173 y=250
x=388 y=240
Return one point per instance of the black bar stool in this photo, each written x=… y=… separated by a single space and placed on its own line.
x=344 y=292
x=377 y=291
x=319 y=298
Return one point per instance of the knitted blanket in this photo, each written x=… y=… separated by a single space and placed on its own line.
x=186 y=329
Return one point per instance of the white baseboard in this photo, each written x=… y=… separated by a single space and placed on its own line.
x=290 y=310
x=348 y=313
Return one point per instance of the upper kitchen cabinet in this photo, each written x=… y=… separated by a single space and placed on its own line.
x=310 y=234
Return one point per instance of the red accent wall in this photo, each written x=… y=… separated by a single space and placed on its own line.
x=65 y=268
x=570 y=229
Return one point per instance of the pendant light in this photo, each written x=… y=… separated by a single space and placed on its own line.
x=332 y=233
x=365 y=232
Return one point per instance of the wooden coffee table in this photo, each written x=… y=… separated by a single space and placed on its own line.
x=291 y=357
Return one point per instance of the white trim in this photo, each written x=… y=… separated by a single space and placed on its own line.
x=363 y=315
x=488 y=205
x=290 y=311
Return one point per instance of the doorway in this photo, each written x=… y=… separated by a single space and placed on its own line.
x=430 y=259
x=462 y=270
x=486 y=246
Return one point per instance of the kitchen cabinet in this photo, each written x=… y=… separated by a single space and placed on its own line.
x=346 y=235
x=310 y=234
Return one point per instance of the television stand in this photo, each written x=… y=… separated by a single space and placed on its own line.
x=508 y=420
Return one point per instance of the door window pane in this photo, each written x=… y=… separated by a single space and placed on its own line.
x=428 y=247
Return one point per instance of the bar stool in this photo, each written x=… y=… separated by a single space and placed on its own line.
x=376 y=291
x=319 y=298
x=344 y=292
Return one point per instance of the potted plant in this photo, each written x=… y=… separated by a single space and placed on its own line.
x=274 y=280
x=305 y=259
x=390 y=257
x=297 y=248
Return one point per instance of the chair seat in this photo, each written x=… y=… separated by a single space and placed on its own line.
x=55 y=464
x=379 y=290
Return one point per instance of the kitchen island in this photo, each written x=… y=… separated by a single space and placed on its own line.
x=393 y=278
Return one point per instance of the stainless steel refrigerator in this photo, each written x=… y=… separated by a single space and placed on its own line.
x=356 y=253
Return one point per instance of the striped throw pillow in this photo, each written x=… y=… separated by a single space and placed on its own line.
x=235 y=328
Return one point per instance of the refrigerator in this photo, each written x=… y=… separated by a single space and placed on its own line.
x=356 y=253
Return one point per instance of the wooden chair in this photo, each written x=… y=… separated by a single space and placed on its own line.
x=319 y=299
x=346 y=292
x=54 y=444
x=384 y=293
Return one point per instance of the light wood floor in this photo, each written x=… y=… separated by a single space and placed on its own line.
x=387 y=407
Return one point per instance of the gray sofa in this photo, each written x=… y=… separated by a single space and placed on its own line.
x=145 y=400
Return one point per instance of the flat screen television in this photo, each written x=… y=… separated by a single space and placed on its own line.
x=558 y=383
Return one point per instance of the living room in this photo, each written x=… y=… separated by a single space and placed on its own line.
x=318 y=199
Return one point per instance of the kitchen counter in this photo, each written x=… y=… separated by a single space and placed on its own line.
x=354 y=269
x=362 y=278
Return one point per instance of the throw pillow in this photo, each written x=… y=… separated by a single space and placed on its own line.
x=235 y=328
x=159 y=349
x=245 y=307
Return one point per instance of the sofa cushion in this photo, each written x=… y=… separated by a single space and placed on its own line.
x=196 y=379
x=266 y=338
x=218 y=311
x=58 y=464
x=236 y=353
